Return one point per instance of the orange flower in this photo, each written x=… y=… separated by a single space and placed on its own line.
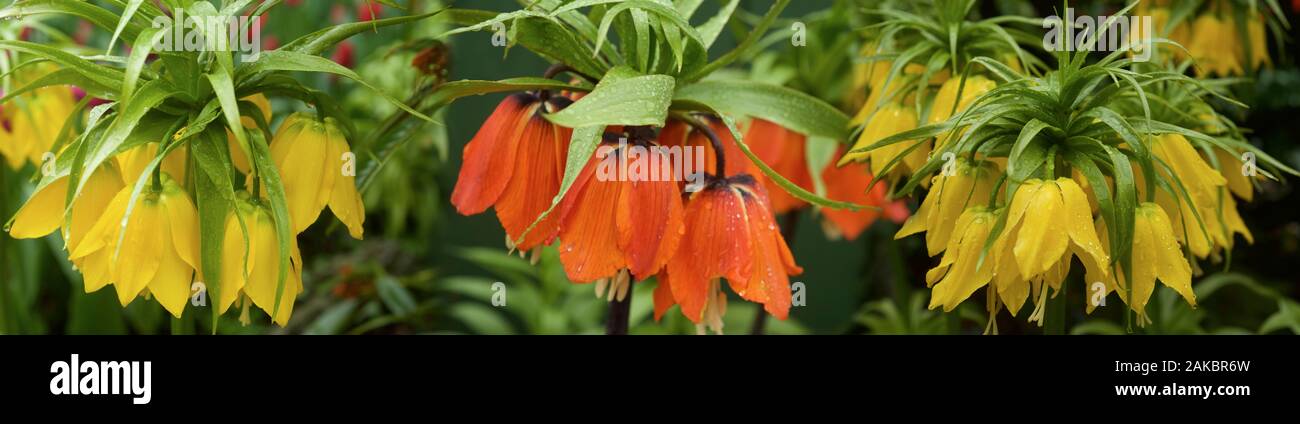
x=783 y=150
x=515 y=163
x=730 y=233
x=849 y=183
x=611 y=221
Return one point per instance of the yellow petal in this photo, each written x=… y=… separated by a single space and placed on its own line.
x=1040 y=242
x=263 y=281
x=140 y=255
x=1078 y=219
x=94 y=270
x=1171 y=266
x=301 y=160
x=90 y=205
x=183 y=222
x=105 y=231
x=43 y=212
x=171 y=284
x=345 y=202
x=237 y=258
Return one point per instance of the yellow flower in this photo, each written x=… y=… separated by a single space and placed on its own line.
x=251 y=266
x=237 y=154
x=1215 y=47
x=318 y=169
x=942 y=108
x=890 y=120
x=32 y=121
x=1156 y=255
x=155 y=250
x=960 y=272
x=134 y=161
x=1047 y=222
x=1230 y=166
x=970 y=185
x=1159 y=20
x=1208 y=199
x=1258 y=44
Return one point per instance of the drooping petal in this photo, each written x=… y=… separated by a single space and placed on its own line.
x=183 y=222
x=238 y=256
x=663 y=296
x=263 y=279
x=1040 y=241
x=769 y=280
x=1078 y=219
x=488 y=157
x=589 y=246
x=171 y=284
x=90 y=205
x=716 y=244
x=141 y=252
x=1171 y=266
x=654 y=222
x=538 y=169
x=302 y=158
x=344 y=200
x=43 y=212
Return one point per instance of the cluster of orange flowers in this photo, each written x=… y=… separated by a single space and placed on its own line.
x=612 y=231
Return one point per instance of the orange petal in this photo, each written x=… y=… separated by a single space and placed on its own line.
x=489 y=158
x=663 y=296
x=716 y=244
x=783 y=151
x=588 y=231
x=655 y=212
x=537 y=173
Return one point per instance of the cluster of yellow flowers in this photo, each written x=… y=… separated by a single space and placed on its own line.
x=150 y=246
x=888 y=110
x=23 y=135
x=1050 y=221
x=1213 y=38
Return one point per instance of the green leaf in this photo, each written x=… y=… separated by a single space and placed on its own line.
x=131 y=7
x=151 y=94
x=709 y=30
x=637 y=100
x=754 y=36
x=582 y=144
x=785 y=183
x=79 y=8
x=135 y=62
x=557 y=43
x=102 y=75
x=449 y=92
x=279 y=204
x=319 y=41
x=789 y=108
x=215 y=197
